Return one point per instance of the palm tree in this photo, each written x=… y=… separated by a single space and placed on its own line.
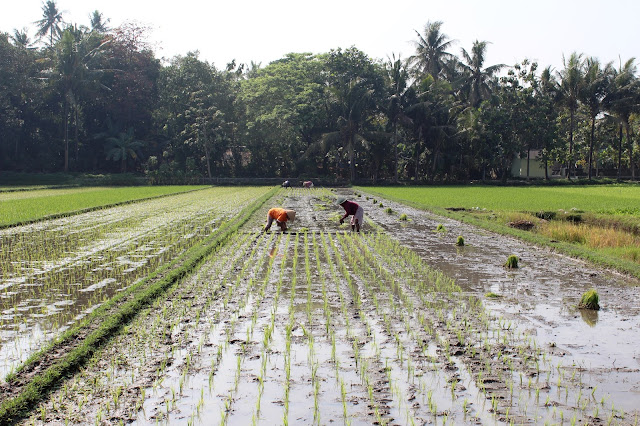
x=76 y=70
x=123 y=146
x=431 y=50
x=621 y=102
x=592 y=95
x=50 y=22
x=98 y=23
x=21 y=38
x=571 y=81
x=479 y=82
x=397 y=79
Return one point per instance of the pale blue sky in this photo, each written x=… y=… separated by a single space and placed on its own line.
x=264 y=31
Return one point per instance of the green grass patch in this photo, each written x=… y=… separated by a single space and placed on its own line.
x=29 y=206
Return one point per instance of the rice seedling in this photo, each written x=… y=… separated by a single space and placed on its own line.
x=441 y=228
x=512 y=262
x=590 y=300
x=460 y=241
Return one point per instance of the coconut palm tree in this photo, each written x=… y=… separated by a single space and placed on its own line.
x=98 y=23
x=21 y=38
x=431 y=51
x=50 y=22
x=622 y=101
x=77 y=69
x=397 y=79
x=571 y=81
x=592 y=95
x=122 y=147
x=479 y=82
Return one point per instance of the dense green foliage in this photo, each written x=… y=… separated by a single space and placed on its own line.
x=612 y=199
x=95 y=99
x=27 y=206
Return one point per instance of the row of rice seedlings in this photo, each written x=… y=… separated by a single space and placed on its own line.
x=63 y=292
x=410 y=350
x=516 y=352
x=165 y=330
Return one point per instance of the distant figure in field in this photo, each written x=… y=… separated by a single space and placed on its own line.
x=351 y=209
x=286 y=184
x=307 y=184
x=281 y=216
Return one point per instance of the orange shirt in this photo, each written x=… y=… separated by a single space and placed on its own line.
x=278 y=214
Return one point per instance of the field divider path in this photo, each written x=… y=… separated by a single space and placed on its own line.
x=38 y=375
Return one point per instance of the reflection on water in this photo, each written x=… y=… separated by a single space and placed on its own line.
x=589 y=316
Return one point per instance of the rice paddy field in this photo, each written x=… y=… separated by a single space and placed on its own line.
x=181 y=310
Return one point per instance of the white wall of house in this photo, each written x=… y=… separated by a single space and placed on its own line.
x=536 y=166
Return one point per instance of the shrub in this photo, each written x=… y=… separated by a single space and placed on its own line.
x=590 y=300
x=512 y=262
x=460 y=241
x=546 y=215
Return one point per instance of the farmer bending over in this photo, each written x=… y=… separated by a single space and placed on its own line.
x=281 y=216
x=351 y=209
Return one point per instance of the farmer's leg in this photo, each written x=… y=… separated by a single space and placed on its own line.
x=269 y=222
x=357 y=225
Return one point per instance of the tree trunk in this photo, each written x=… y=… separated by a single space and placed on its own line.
x=528 y=157
x=418 y=151
x=620 y=154
x=66 y=135
x=570 y=165
x=593 y=131
x=395 y=149
x=206 y=150
x=632 y=165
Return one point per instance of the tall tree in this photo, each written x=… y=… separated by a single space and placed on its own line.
x=478 y=82
x=77 y=69
x=571 y=82
x=51 y=21
x=622 y=101
x=398 y=86
x=98 y=23
x=354 y=86
x=594 y=91
x=431 y=50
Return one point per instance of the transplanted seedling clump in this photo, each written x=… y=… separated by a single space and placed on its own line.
x=590 y=300
x=512 y=262
x=460 y=241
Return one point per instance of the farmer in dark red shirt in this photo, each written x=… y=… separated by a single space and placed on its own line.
x=351 y=209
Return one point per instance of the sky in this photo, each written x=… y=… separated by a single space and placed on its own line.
x=263 y=31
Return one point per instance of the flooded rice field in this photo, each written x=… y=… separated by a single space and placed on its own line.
x=53 y=273
x=389 y=326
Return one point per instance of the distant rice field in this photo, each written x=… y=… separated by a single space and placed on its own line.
x=608 y=199
x=26 y=206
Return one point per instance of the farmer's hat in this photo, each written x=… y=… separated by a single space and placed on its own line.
x=291 y=214
x=341 y=200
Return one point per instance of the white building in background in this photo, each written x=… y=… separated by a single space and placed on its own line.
x=536 y=167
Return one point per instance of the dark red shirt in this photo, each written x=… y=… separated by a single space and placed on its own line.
x=350 y=207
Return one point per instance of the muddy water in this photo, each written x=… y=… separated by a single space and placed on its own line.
x=327 y=327
x=541 y=296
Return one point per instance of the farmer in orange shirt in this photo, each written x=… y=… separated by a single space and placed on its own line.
x=281 y=216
